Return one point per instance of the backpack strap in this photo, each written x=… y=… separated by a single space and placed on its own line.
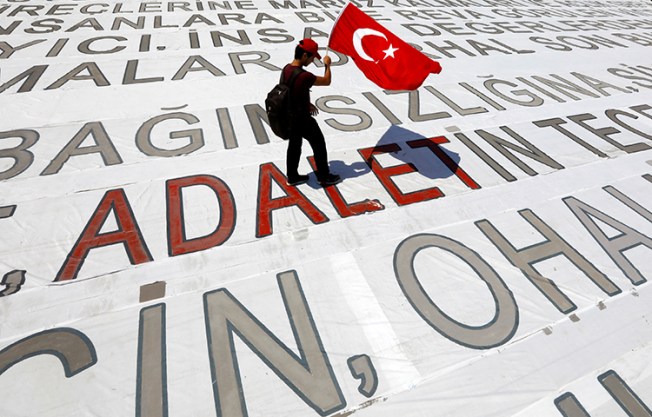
x=295 y=74
x=290 y=83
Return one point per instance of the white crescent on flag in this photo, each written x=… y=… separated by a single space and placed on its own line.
x=358 y=35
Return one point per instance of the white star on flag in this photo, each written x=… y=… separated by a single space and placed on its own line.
x=390 y=51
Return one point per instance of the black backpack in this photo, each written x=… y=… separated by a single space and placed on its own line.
x=277 y=105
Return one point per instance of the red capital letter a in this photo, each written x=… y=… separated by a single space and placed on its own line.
x=128 y=234
x=293 y=197
x=178 y=243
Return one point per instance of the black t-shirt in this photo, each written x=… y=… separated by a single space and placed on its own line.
x=300 y=89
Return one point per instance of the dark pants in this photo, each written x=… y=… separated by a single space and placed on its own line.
x=306 y=127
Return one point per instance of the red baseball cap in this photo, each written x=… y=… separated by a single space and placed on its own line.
x=311 y=46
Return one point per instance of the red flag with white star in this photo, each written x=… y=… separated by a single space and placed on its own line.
x=383 y=57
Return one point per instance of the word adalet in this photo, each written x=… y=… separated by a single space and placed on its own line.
x=128 y=233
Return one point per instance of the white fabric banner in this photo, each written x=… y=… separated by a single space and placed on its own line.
x=486 y=255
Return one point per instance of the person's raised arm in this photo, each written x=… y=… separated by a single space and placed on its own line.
x=326 y=79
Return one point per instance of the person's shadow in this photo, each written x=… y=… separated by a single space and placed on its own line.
x=429 y=158
x=342 y=169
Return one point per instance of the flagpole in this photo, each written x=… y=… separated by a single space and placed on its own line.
x=335 y=24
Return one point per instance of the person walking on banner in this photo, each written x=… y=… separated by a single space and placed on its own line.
x=303 y=124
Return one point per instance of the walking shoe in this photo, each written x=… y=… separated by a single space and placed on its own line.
x=329 y=179
x=296 y=180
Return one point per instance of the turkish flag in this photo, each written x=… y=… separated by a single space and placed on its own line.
x=382 y=56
